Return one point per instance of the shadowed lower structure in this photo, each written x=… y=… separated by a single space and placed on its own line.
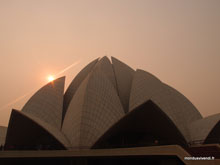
x=26 y=132
x=3 y=131
x=147 y=125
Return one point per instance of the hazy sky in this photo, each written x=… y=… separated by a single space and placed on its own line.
x=177 y=41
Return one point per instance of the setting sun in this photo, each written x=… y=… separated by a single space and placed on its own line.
x=50 y=78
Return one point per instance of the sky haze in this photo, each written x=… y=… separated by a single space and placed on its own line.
x=177 y=41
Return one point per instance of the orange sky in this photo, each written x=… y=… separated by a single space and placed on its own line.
x=177 y=41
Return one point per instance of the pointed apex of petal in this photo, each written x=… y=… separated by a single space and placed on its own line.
x=74 y=85
x=124 y=76
x=47 y=103
x=104 y=65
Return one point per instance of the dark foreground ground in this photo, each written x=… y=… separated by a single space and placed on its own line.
x=155 y=155
x=155 y=160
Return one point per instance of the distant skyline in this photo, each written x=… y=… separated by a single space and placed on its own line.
x=177 y=41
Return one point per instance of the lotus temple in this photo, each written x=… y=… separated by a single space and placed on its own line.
x=110 y=114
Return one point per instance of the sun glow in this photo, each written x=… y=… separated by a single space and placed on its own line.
x=50 y=78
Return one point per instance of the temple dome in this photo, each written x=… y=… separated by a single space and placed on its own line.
x=108 y=105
